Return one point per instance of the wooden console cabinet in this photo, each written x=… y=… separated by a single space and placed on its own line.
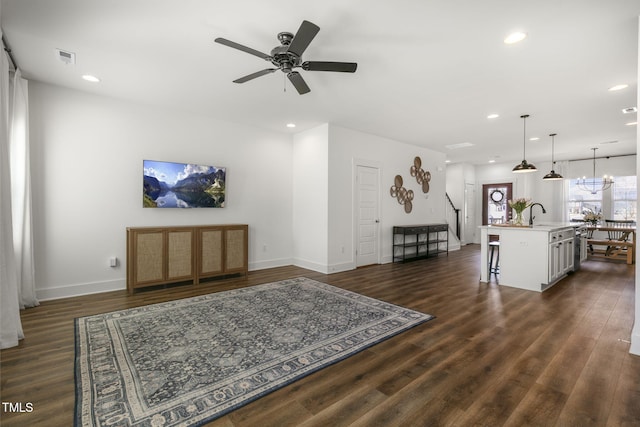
x=160 y=255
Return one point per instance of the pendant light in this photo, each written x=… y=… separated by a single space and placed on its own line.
x=593 y=185
x=552 y=176
x=524 y=167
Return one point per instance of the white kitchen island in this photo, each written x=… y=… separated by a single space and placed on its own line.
x=533 y=258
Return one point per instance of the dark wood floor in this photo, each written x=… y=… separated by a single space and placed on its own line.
x=493 y=356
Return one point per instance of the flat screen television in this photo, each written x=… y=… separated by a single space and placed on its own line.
x=182 y=185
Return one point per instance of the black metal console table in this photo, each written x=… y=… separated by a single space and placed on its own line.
x=413 y=242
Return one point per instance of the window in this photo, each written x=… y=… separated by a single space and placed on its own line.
x=624 y=197
x=580 y=202
x=618 y=202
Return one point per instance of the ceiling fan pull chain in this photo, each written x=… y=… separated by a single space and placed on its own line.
x=284 y=82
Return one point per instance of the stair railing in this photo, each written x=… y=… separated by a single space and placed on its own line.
x=453 y=215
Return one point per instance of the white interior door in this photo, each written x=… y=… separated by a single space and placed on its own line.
x=367 y=221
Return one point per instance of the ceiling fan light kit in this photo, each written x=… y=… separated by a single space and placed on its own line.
x=524 y=166
x=288 y=56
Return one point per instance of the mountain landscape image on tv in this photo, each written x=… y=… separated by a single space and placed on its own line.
x=182 y=185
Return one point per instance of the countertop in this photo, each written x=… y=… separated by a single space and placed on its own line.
x=542 y=226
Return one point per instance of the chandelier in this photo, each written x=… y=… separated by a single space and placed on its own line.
x=593 y=185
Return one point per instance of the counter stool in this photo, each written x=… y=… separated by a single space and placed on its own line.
x=496 y=269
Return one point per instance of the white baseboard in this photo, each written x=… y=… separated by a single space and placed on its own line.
x=310 y=265
x=345 y=266
x=635 y=339
x=272 y=263
x=326 y=269
x=80 y=289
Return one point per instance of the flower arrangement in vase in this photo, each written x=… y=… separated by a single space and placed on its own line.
x=519 y=205
x=592 y=218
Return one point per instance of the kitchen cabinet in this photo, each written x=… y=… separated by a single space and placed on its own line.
x=561 y=247
x=533 y=258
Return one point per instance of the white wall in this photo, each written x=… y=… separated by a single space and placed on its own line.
x=296 y=193
x=346 y=148
x=455 y=183
x=324 y=160
x=458 y=176
x=620 y=166
x=310 y=196
x=87 y=154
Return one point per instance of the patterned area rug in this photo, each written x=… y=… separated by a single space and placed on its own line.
x=189 y=361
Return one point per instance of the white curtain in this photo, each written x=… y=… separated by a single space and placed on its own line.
x=10 y=326
x=17 y=284
x=560 y=195
x=19 y=161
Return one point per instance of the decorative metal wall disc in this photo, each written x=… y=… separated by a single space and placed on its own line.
x=422 y=177
x=403 y=195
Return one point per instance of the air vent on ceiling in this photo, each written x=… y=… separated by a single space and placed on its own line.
x=459 y=145
x=66 y=56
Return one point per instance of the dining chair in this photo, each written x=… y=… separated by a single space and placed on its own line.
x=621 y=235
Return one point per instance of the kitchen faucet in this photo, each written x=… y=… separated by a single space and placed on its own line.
x=531 y=212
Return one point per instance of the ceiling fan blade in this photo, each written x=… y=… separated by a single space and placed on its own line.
x=255 y=75
x=298 y=82
x=342 y=67
x=242 y=48
x=303 y=37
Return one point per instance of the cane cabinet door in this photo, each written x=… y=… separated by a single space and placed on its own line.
x=236 y=249
x=211 y=251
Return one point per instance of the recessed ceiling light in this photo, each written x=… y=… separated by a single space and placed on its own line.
x=493 y=116
x=631 y=123
x=447 y=161
x=515 y=37
x=629 y=110
x=492 y=161
x=618 y=87
x=534 y=138
x=291 y=125
x=90 y=78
